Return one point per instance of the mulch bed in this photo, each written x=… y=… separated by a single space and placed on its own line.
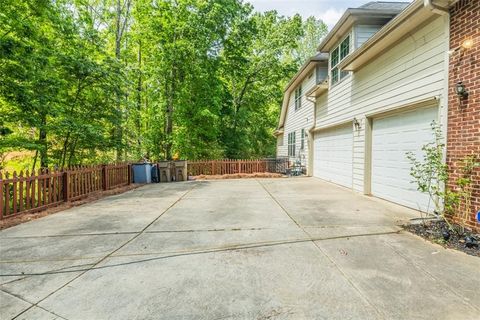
x=437 y=231
x=21 y=218
x=238 y=176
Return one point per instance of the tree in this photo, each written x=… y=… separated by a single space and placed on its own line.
x=89 y=81
x=254 y=70
x=313 y=32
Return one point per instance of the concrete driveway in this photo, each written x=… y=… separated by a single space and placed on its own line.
x=295 y=248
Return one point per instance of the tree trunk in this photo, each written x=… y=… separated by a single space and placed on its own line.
x=139 y=95
x=42 y=139
x=64 y=152
x=169 y=115
x=121 y=22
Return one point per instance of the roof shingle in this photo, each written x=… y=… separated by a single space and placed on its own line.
x=385 y=5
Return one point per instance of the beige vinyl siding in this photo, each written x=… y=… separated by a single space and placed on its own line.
x=322 y=73
x=281 y=147
x=364 y=32
x=411 y=71
x=296 y=120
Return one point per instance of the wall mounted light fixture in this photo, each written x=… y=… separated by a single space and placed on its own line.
x=356 y=124
x=461 y=91
x=467 y=44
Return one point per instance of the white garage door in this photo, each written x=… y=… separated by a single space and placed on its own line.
x=333 y=155
x=392 y=138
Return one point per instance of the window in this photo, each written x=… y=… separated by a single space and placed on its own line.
x=338 y=54
x=291 y=144
x=302 y=140
x=298 y=97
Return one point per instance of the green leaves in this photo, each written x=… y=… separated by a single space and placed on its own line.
x=83 y=81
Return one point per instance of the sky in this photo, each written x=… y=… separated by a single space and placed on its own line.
x=327 y=10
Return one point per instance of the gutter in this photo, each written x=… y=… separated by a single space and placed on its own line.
x=318 y=58
x=313 y=61
x=384 y=32
x=418 y=10
x=435 y=8
x=354 y=14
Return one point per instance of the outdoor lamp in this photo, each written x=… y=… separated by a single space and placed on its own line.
x=467 y=44
x=461 y=91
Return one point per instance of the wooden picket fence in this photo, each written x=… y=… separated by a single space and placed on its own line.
x=37 y=191
x=229 y=166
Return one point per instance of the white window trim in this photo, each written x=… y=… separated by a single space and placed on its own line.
x=340 y=78
x=302 y=139
x=298 y=97
x=291 y=144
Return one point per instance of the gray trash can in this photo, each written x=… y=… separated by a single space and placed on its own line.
x=181 y=170
x=142 y=173
x=164 y=169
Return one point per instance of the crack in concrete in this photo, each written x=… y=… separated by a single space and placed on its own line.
x=229 y=247
x=108 y=255
x=29 y=302
x=71 y=235
x=130 y=232
x=416 y=266
x=347 y=278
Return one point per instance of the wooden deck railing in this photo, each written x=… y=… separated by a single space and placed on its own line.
x=228 y=166
x=32 y=192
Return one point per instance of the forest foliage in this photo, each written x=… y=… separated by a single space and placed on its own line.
x=89 y=81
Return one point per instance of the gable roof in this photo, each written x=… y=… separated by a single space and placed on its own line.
x=385 y=5
x=304 y=70
x=370 y=10
x=414 y=15
x=316 y=58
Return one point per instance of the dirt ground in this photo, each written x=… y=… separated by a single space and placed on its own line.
x=438 y=232
x=238 y=176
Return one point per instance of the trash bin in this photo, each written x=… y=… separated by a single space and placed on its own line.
x=164 y=169
x=155 y=175
x=142 y=172
x=181 y=170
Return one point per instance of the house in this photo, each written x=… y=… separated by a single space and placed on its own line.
x=297 y=114
x=387 y=82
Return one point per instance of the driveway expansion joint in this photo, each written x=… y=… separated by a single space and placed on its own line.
x=347 y=278
x=440 y=280
x=108 y=255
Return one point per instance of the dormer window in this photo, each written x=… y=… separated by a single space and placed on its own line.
x=298 y=97
x=338 y=54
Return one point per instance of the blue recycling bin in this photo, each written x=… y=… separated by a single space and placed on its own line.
x=142 y=173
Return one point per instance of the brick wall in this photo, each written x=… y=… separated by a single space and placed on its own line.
x=463 y=136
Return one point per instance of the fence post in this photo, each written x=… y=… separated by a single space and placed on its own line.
x=213 y=168
x=129 y=167
x=66 y=191
x=239 y=166
x=104 y=177
x=1 y=197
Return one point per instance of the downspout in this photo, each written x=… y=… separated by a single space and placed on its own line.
x=310 y=138
x=435 y=8
x=444 y=11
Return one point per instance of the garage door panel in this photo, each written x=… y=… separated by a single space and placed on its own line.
x=333 y=155
x=392 y=138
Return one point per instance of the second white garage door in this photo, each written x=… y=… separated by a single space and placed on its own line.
x=392 y=138
x=333 y=155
